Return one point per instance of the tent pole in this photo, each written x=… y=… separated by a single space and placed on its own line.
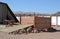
x=56 y=20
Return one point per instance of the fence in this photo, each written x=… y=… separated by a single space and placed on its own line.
x=37 y=21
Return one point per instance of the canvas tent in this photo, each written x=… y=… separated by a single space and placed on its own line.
x=6 y=13
x=56 y=19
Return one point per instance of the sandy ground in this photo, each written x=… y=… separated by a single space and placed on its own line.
x=41 y=35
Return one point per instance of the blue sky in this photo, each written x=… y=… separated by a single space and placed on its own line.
x=41 y=6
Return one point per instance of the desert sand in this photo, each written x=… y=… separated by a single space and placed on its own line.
x=41 y=35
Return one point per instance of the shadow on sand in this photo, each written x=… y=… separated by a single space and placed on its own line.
x=53 y=30
x=49 y=30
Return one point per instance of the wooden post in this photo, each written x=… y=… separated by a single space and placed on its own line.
x=20 y=19
x=34 y=22
x=56 y=20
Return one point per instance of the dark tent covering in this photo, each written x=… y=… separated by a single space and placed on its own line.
x=56 y=14
x=6 y=13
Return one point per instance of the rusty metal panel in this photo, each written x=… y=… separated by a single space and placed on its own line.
x=27 y=20
x=42 y=22
x=38 y=22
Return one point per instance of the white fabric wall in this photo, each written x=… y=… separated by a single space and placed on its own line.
x=58 y=20
x=18 y=18
x=53 y=20
x=47 y=16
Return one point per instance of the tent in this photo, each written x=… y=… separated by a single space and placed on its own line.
x=6 y=13
x=55 y=19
